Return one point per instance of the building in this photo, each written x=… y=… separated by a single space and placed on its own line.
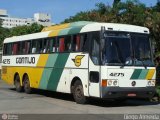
x=9 y=22
x=3 y=13
x=43 y=19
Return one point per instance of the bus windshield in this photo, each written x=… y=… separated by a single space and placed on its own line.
x=141 y=50
x=126 y=49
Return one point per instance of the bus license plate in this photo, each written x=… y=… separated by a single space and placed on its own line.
x=131 y=95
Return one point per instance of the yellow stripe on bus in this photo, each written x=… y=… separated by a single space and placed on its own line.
x=34 y=73
x=42 y=60
x=56 y=27
x=150 y=74
x=54 y=33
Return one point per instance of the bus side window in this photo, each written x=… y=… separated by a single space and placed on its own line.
x=23 y=47
x=76 y=43
x=45 y=46
x=84 y=43
x=33 y=46
x=67 y=43
x=39 y=46
x=95 y=43
x=61 y=45
x=27 y=47
x=19 y=51
x=52 y=44
x=4 y=49
x=15 y=49
x=7 y=49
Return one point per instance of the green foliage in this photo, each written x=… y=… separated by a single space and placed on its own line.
x=23 y=30
x=3 y=34
x=158 y=90
x=20 y=30
x=0 y=22
x=129 y=12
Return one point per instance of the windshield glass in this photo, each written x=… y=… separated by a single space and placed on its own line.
x=116 y=49
x=141 y=50
x=126 y=49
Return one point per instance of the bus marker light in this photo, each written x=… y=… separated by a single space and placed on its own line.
x=104 y=83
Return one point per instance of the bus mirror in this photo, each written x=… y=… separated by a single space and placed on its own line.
x=102 y=32
x=102 y=43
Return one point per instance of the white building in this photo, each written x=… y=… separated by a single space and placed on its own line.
x=3 y=13
x=9 y=22
x=42 y=19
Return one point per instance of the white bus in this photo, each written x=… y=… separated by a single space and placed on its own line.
x=86 y=59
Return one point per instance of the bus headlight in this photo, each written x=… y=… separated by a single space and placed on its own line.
x=115 y=83
x=112 y=82
x=109 y=82
x=151 y=83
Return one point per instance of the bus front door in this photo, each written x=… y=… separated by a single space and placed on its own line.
x=94 y=80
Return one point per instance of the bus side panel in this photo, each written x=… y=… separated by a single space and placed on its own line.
x=76 y=67
x=7 y=75
x=53 y=71
x=34 y=75
x=68 y=75
x=60 y=70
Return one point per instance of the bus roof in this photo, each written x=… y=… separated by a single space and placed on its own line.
x=77 y=27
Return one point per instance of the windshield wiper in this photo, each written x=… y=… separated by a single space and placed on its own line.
x=122 y=66
x=142 y=61
x=145 y=66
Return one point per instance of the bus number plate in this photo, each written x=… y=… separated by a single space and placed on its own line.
x=117 y=74
x=131 y=95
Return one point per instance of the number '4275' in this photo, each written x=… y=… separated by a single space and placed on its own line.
x=117 y=74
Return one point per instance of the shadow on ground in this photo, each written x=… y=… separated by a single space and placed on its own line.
x=94 y=101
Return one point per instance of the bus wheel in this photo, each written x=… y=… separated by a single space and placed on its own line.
x=78 y=93
x=17 y=84
x=26 y=85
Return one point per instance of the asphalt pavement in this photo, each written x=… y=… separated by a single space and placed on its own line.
x=48 y=103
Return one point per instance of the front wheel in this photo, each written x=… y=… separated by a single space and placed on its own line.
x=78 y=93
x=26 y=85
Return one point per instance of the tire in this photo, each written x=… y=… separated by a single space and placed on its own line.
x=17 y=84
x=78 y=93
x=26 y=84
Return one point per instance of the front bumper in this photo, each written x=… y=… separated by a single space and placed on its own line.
x=127 y=92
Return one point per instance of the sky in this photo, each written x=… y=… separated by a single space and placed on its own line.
x=59 y=9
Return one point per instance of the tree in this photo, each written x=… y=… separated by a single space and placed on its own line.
x=26 y=29
x=4 y=32
x=17 y=31
x=0 y=22
x=129 y=12
x=157 y=6
x=115 y=3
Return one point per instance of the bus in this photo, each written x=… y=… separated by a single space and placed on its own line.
x=85 y=59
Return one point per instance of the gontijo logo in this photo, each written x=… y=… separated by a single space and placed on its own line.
x=77 y=60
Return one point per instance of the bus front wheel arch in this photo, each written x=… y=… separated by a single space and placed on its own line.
x=78 y=93
x=17 y=83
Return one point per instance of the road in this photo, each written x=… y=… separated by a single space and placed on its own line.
x=45 y=102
